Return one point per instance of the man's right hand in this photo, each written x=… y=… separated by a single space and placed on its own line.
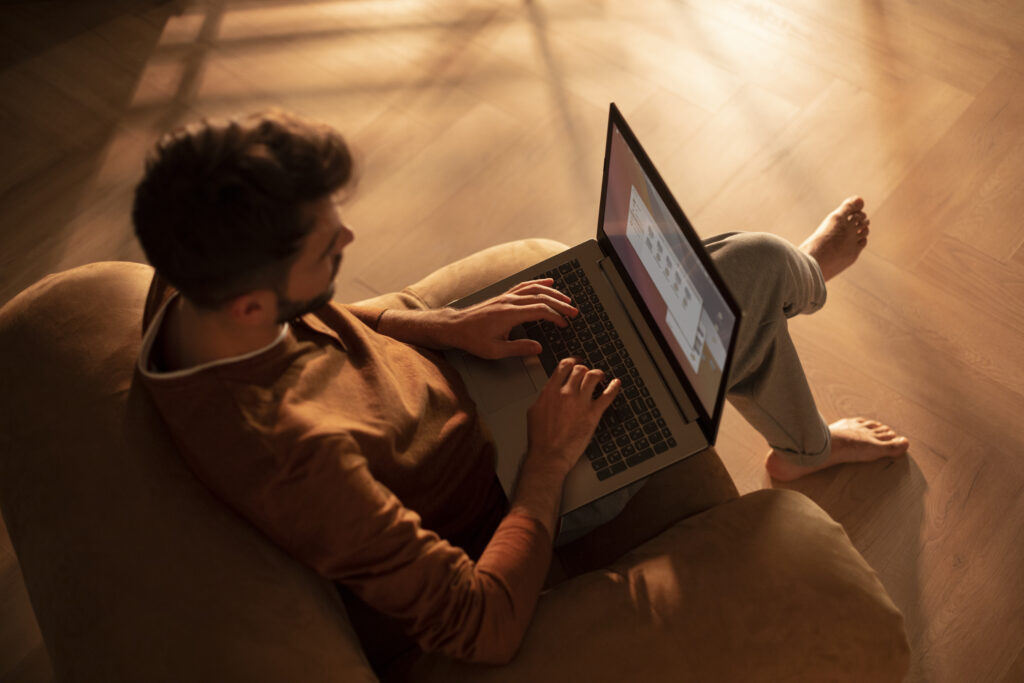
x=563 y=419
x=560 y=423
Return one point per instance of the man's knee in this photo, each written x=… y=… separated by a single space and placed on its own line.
x=756 y=248
x=751 y=260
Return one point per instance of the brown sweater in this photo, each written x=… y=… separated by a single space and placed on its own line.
x=363 y=458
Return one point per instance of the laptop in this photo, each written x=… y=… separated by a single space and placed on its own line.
x=654 y=313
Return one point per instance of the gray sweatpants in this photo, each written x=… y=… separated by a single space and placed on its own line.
x=772 y=281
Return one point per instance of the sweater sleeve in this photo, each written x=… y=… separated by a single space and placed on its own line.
x=329 y=512
x=368 y=315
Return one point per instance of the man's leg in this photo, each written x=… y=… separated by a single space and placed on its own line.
x=469 y=274
x=774 y=281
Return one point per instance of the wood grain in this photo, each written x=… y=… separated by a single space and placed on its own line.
x=480 y=121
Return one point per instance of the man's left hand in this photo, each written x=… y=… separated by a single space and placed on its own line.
x=483 y=329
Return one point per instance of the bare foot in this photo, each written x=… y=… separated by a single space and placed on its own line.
x=838 y=241
x=855 y=439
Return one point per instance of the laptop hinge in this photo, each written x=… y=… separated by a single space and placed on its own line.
x=664 y=367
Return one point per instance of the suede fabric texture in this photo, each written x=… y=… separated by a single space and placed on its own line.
x=763 y=588
x=136 y=572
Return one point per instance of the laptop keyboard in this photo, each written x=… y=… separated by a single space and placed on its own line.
x=632 y=430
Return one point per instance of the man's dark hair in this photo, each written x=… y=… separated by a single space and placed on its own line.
x=223 y=207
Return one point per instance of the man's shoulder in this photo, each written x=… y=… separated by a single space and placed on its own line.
x=344 y=323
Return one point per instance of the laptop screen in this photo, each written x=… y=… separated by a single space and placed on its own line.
x=679 y=293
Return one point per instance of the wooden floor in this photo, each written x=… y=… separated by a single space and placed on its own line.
x=481 y=121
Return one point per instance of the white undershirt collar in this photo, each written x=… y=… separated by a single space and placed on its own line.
x=146 y=367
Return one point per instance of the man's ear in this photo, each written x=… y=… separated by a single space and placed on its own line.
x=258 y=307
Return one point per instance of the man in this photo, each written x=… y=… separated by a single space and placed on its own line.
x=339 y=431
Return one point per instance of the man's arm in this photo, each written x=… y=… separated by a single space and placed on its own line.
x=482 y=329
x=561 y=423
x=368 y=540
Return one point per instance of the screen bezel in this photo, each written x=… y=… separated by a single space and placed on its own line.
x=709 y=423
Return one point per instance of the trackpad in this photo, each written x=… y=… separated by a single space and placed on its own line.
x=494 y=384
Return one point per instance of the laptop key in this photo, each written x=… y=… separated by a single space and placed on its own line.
x=591 y=339
x=660 y=447
x=639 y=457
x=604 y=474
x=618 y=467
x=547 y=360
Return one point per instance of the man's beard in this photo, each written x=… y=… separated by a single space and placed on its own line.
x=290 y=310
x=287 y=309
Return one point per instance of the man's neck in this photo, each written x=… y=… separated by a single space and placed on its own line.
x=190 y=336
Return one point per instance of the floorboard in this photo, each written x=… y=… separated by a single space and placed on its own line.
x=480 y=121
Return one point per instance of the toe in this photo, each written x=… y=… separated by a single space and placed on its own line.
x=898 y=445
x=853 y=204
